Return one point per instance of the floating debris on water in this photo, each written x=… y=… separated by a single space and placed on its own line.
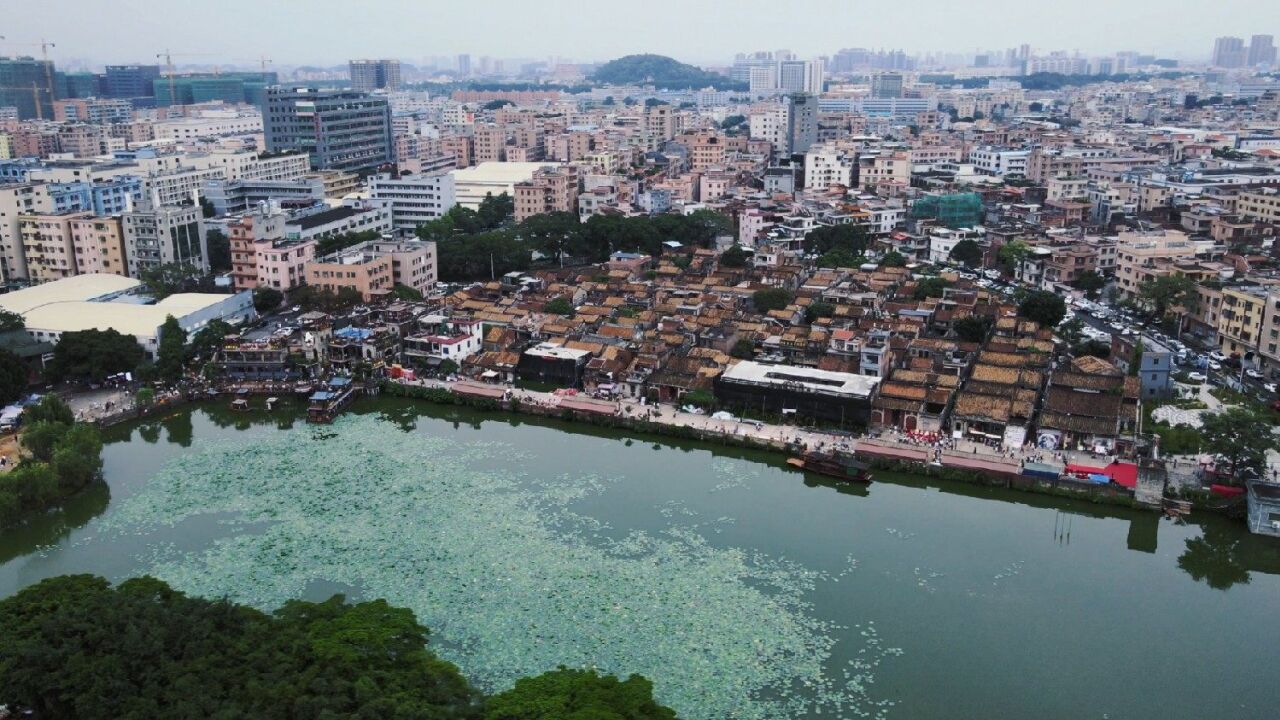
x=511 y=581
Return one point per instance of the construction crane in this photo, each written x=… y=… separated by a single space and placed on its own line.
x=48 y=73
x=262 y=63
x=168 y=61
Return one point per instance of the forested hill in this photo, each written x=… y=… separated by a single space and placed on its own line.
x=662 y=72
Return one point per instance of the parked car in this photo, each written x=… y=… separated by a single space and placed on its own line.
x=1197 y=377
x=1269 y=387
x=1215 y=355
x=1253 y=374
x=1215 y=366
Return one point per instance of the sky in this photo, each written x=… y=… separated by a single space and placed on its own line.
x=707 y=32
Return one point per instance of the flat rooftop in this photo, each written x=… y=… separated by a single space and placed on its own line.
x=805 y=379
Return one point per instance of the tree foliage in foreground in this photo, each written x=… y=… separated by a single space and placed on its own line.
x=1241 y=436
x=93 y=355
x=1044 y=307
x=76 y=647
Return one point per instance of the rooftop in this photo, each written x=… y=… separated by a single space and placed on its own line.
x=809 y=379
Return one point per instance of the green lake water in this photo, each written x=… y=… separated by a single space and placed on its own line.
x=740 y=586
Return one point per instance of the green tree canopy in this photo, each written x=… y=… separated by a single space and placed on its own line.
x=168 y=279
x=1090 y=282
x=342 y=241
x=825 y=238
x=1091 y=348
x=266 y=299
x=13 y=377
x=816 y=310
x=662 y=72
x=566 y=694
x=171 y=354
x=930 y=287
x=1242 y=436
x=972 y=328
x=1011 y=255
x=65 y=640
x=771 y=299
x=10 y=321
x=734 y=257
x=893 y=258
x=743 y=349
x=1157 y=295
x=967 y=252
x=51 y=408
x=554 y=234
x=206 y=341
x=93 y=355
x=219 y=251
x=312 y=298
x=560 y=306
x=1044 y=307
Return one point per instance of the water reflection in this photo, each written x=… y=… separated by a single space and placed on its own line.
x=1217 y=558
x=53 y=527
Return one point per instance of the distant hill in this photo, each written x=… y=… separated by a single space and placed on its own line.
x=661 y=71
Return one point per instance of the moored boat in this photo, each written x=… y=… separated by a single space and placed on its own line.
x=844 y=467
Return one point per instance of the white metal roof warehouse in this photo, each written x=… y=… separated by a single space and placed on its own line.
x=101 y=301
x=806 y=379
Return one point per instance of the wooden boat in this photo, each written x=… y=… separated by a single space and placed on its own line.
x=240 y=405
x=838 y=466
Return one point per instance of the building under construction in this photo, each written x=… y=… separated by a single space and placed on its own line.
x=23 y=82
x=955 y=210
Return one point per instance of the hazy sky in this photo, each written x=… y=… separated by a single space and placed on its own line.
x=698 y=31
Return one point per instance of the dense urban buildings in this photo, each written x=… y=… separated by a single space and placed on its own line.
x=339 y=129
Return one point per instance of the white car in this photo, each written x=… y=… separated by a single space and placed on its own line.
x=1215 y=355
x=1197 y=377
x=1253 y=374
x=1215 y=366
x=1269 y=387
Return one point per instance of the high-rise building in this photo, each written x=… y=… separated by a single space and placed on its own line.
x=29 y=85
x=163 y=235
x=370 y=75
x=801 y=76
x=464 y=65
x=1229 y=52
x=790 y=125
x=131 y=81
x=887 y=85
x=1262 y=50
x=341 y=129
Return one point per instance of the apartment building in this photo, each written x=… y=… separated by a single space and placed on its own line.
x=164 y=235
x=415 y=199
x=1141 y=256
x=47 y=243
x=706 y=150
x=1262 y=204
x=246 y=234
x=827 y=165
x=552 y=189
x=340 y=129
x=98 y=243
x=374 y=268
x=1241 y=318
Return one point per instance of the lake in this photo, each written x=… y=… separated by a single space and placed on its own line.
x=741 y=587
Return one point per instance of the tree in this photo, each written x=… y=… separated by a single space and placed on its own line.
x=77 y=458
x=164 y=280
x=207 y=340
x=13 y=377
x=582 y=694
x=1157 y=295
x=1071 y=331
x=1044 y=307
x=734 y=257
x=312 y=298
x=815 y=310
x=171 y=354
x=93 y=355
x=972 y=328
x=967 y=252
x=1036 y=107
x=162 y=653
x=406 y=293
x=1241 y=436
x=266 y=299
x=206 y=207
x=10 y=321
x=219 y=251
x=743 y=349
x=52 y=409
x=838 y=258
x=732 y=122
x=40 y=438
x=554 y=234
x=1012 y=254
x=1091 y=348
x=930 y=287
x=825 y=238
x=893 y=258
x=560 y=306
x=771 y=299
x=334 y=243
x=1090 y=282
x=495 y=211
x=496 y=104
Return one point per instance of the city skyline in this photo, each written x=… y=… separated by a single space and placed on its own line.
x=413 y=32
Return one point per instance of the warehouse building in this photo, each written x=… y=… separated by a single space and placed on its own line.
x=808 y=393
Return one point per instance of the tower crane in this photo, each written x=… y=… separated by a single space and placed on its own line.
x=168 y=61
x=48 y=73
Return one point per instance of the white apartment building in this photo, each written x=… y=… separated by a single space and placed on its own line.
x=192 y=128
x=999 y=163
x=414 y=199
x=826 y=165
